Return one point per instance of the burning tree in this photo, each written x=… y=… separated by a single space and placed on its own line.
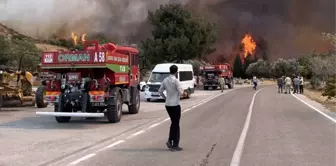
x=249 y=46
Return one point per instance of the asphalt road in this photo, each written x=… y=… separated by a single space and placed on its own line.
x=216 y=130
x=27 y=139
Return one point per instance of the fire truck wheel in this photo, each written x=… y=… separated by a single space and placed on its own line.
x=40 y=97
x=230 y=85
x=134 y=109
x=61 y=119
x=114 y=112
x=1 y=101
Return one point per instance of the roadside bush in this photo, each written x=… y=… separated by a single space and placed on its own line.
x=261 y=68
x=285 y=67
x=330 y=89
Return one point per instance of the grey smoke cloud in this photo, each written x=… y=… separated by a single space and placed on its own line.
x=290 y=27
x=109 y=17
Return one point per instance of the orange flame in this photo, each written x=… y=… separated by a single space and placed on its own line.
x=249 y=45
x=83 y=38
x=75 y=38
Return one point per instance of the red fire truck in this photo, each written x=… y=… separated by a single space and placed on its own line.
x=212 y=73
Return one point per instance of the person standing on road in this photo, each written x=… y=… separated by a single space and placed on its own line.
x=222 y=83
x=288 y=82
x=172 y=86
x=296 y=84
x=301 y=85
x=280 y=82
x=255 y=82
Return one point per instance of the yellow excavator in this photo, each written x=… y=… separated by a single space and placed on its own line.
x=16 y=88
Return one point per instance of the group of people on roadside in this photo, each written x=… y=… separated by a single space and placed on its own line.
x=295 y=83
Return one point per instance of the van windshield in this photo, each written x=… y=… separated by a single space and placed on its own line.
x=158 y=77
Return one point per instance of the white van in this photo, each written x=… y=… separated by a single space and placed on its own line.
x=161 y=71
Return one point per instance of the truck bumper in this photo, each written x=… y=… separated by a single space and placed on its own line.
x=71 y=114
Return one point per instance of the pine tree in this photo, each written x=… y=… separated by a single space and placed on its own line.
x=238 y=67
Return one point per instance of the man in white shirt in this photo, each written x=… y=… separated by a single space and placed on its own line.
x=255 y=82
x=301 y=85
x=288 y=82
x=172 y=86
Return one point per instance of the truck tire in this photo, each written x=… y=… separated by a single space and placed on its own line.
x=39 y=97
x=114 y=112
x=205 y=88
x=1 y=102
x=148 y=100
x=134 y=109
x=61 y=119
x=230 y=85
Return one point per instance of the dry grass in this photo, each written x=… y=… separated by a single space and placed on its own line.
x=48 y=47
x=268 y=82
x=316 y=95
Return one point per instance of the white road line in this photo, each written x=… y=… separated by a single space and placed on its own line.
x=317 y=110
x=83 y=158
x=154 y=125
x=240 y=145
x=135 y=134
x=139 y=132
x=186 y=110
x=114 y=144
x=165 y=120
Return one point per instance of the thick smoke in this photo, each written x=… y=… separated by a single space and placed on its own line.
x=290 y=28
x=41 y=18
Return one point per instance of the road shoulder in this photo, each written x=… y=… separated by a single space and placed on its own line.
x=311 y=103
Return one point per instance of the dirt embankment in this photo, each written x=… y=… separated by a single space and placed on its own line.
x=8 y=32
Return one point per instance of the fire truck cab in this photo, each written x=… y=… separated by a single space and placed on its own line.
x=212 y=73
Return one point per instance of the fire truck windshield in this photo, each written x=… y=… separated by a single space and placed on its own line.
x=158 y=77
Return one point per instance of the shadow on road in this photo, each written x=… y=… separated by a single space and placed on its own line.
x=143 y=150
x=75 y=123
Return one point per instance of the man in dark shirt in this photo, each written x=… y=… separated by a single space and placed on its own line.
x=280 y=82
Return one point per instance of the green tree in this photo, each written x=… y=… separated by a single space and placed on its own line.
x=177 y=35
x=330 y=89
x=247 y=61
x=259 y=68
x=238 y=70
x=282 y=67
x=25 y=54
x=4 y=50
x=19 y=52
